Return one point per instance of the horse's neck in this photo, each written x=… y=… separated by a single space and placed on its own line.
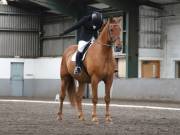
x=103 y=37
x=103 y=41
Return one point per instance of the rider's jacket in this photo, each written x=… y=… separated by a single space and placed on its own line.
x=87 y=28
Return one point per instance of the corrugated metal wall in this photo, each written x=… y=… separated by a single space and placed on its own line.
x=26 y=23
x=6 y=8
x=150 y=27
x=52 y=43
x=19 y=33
x=24 y=44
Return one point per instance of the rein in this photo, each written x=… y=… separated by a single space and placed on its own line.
x=108 y=45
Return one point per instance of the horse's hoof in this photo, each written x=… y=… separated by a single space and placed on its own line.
x=59 y=117
x=95 y=119
x=81 y=118
x=108 y=119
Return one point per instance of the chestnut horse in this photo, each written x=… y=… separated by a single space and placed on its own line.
x=98 y=66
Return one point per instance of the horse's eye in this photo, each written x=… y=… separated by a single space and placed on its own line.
x=111 y=30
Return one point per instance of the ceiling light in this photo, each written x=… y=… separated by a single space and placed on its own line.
x=99 y=5
x=4 y=2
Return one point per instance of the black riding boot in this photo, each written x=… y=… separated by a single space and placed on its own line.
x=77 y=69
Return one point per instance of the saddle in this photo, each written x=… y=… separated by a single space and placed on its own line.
x=83 y=53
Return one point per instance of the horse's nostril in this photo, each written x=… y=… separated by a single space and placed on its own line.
x=118 y=48
x=119 y=45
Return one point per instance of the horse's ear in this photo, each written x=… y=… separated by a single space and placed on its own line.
x=119 y=19
x=111 y=19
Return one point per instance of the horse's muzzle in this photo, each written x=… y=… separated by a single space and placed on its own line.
x=118 y=48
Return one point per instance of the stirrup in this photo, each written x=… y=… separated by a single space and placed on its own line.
x=77 y=70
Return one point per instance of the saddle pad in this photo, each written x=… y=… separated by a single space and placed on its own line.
x=74 y=56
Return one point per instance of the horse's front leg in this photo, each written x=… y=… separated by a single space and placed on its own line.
x=108 y=84
x=94 y=83
x=79 y=96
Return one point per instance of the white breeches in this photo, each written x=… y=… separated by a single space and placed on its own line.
x=82 y=44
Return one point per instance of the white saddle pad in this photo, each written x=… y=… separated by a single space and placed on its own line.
x=74 y=56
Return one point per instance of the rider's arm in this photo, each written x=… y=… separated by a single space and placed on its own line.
x=77 y=25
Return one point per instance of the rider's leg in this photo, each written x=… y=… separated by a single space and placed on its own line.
x=81 y=45
x=77 y=69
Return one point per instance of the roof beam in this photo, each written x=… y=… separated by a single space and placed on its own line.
x=150 y=4
x=26 y=5
x=172 y=3
x=127 y=5
x=68 y=7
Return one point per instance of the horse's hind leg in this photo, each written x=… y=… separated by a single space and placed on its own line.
x=79 y=96
x=108 y=84
x=61 y=98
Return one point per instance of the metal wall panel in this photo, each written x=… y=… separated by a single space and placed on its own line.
x=52 y=43
x=52 y=29
x=68 y=23
x=19 y=33
x=69 y=41
x=21 y=44
x=10 y=9
x=150 y=27
x=19 y=22
x=52 y=47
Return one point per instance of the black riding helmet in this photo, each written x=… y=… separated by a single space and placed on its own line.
x=97 y=19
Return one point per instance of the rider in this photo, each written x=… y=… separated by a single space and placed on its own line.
x=88 y=26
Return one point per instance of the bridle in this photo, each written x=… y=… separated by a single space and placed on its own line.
x=112 y=38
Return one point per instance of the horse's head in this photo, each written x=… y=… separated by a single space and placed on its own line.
x=114 y=31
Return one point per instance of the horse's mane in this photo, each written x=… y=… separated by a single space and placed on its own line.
x=102 y=27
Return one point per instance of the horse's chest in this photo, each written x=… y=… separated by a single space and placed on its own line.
x=107 y=68
x=100 y=65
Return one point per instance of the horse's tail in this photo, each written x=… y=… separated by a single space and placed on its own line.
x=71 y=89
